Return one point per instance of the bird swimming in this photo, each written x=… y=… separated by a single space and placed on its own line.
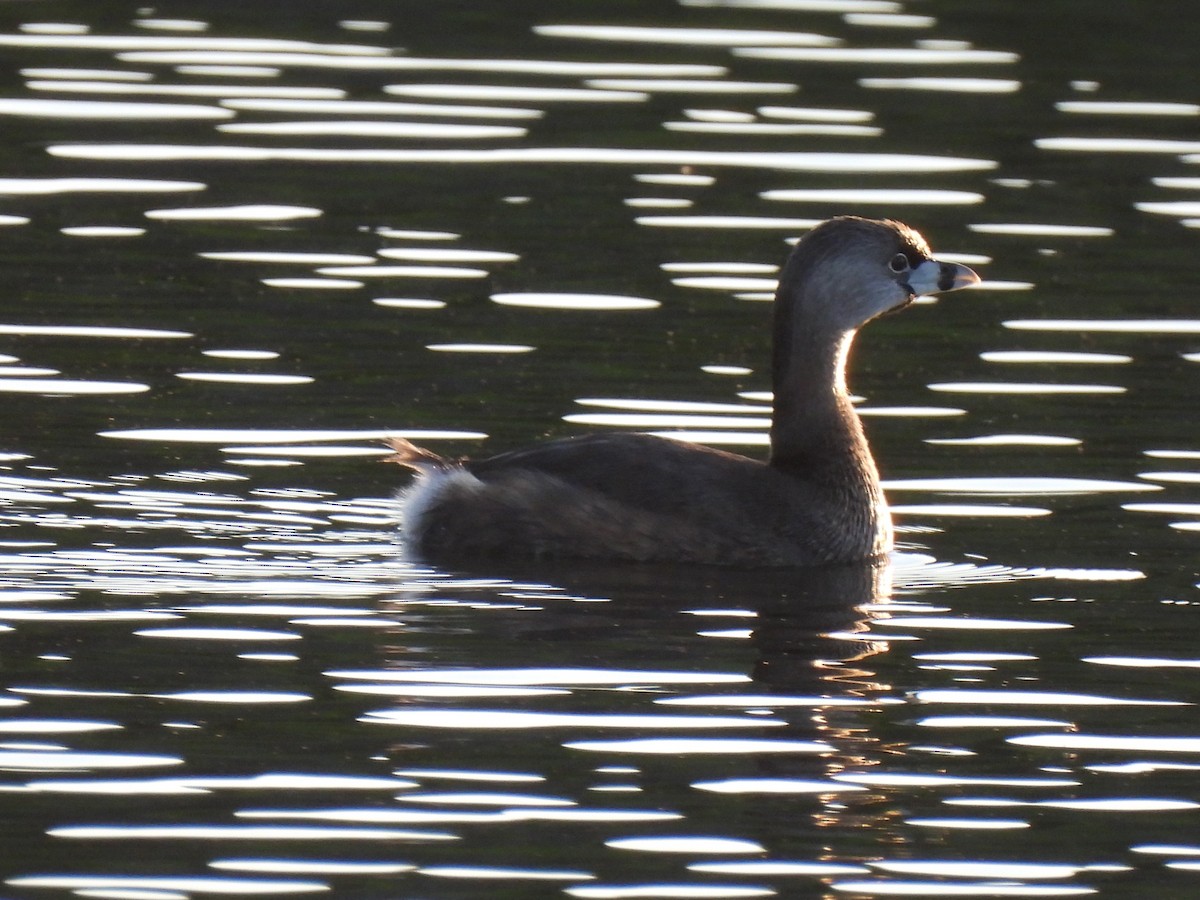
x=815 y=500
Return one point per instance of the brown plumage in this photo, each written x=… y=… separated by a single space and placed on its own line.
x=816 y=500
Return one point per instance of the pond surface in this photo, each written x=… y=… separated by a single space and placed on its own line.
x=242 y=243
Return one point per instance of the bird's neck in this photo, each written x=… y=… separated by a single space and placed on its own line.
x=815 y=431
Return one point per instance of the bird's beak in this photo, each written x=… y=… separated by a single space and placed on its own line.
x=934 y=276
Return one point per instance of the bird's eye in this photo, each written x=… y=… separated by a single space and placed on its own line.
x=899 y=263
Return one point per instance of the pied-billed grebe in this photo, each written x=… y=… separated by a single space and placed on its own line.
x=817 y=499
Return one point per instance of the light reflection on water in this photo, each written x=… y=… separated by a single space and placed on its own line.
x=221 y=664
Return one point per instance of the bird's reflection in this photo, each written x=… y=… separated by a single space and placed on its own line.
x=810 y=626
x=808 y=659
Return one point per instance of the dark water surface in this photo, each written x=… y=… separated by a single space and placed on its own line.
x=243 y=242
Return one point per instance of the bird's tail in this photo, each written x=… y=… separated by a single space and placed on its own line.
x=409 y=455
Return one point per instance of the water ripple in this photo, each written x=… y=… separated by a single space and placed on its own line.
x=784 y=161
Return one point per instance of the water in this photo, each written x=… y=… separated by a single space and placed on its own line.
x=241 y=245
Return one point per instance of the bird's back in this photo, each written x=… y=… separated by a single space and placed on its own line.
x=634 y=497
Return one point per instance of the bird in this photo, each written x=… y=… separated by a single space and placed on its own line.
x=815 y=500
